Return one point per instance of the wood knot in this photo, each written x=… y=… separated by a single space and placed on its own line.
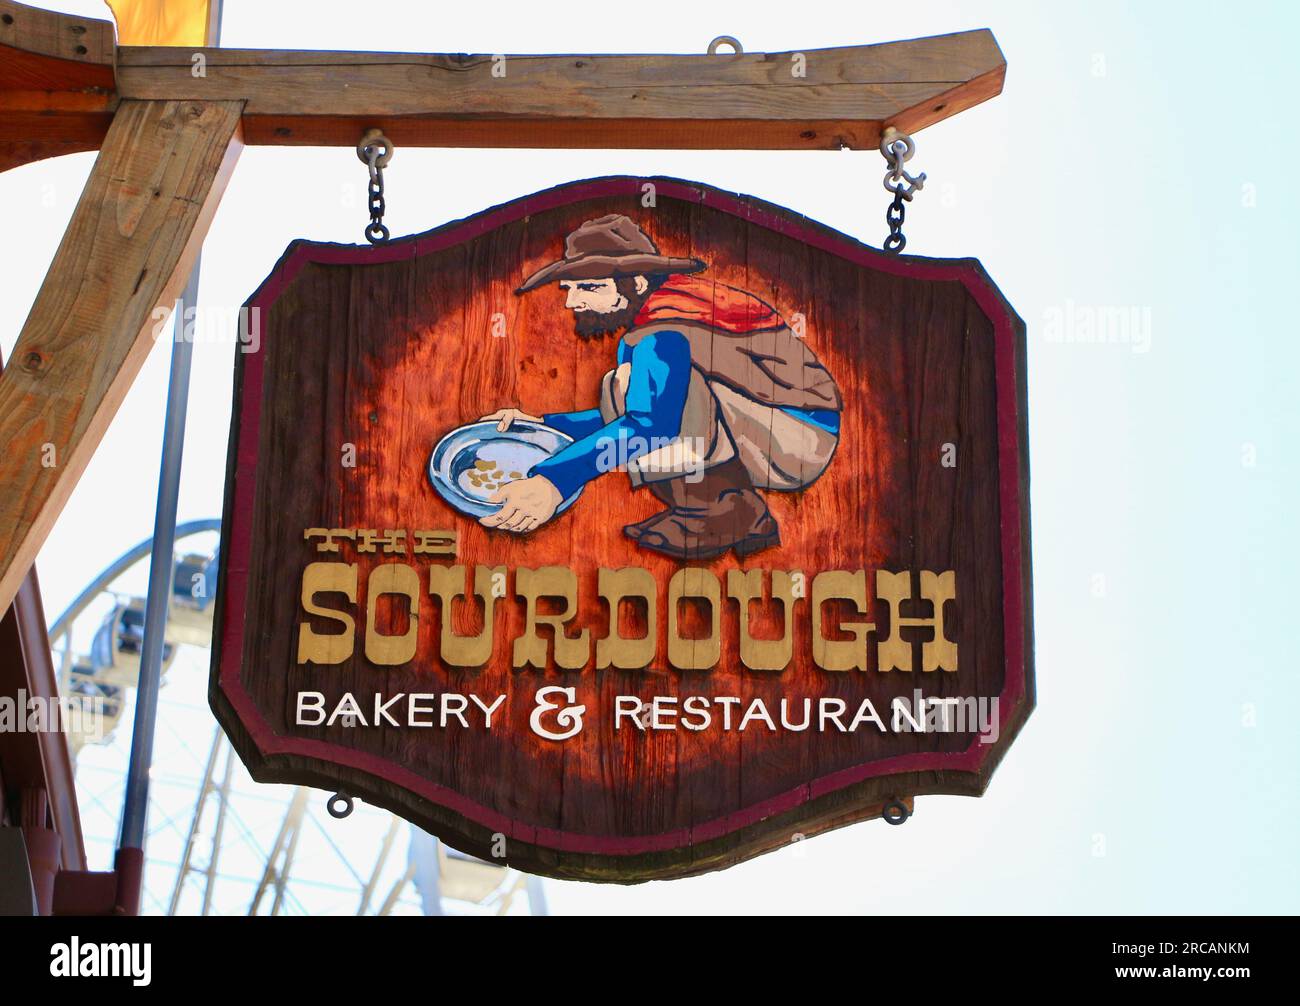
x=33 y=362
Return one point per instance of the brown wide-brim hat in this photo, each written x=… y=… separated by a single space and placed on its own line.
x=609 y=246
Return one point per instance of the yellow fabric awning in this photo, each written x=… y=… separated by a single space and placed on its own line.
x=165 y=22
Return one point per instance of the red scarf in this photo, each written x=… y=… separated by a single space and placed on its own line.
x=707 y=302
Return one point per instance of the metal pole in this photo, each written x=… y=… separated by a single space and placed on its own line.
x=536 y=895
x=424 y=867
x=161 y=569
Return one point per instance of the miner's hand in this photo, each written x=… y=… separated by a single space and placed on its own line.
x=525 y=505
x=508 y=416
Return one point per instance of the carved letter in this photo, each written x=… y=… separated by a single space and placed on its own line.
x=327 y=536
x=615 y=650
x=837 y=654
x=447 y=583
x=320 y=578
x=530 y=648
x=392 y=578
x=895 y=651
x=763 y=654
x=434 y=542
x=694 y=654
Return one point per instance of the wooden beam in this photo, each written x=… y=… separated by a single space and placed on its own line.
x=754 y=100
x=129 y=247
x=85 y=44
x=57 y=99
x=57 y=89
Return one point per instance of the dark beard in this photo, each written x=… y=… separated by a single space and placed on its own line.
x=597 y=325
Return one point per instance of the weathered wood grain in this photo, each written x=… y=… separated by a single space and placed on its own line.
x=85 y=41
x=56 y=83
x=390 y=356
x=56 y=98
x=844 y=98
x=128 y=249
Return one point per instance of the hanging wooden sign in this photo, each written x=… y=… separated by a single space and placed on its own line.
x=627 y=530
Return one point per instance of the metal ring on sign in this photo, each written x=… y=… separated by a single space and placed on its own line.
x=887 y=141
x=895 y=812
x=339 y=806
x=730 y=40
x=375 y=138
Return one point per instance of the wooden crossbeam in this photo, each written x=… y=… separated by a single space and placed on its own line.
x=129 y=247
x=814 y=99
x=748 y=101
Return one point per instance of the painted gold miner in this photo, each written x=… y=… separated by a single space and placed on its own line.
x=713 y=398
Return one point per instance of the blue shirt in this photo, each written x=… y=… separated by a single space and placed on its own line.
x=656 y=395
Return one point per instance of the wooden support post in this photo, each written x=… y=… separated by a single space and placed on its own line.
x=129 y=248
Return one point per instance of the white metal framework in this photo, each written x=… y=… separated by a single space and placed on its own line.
x=219 y=843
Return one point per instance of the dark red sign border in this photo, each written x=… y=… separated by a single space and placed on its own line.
x=287 y=759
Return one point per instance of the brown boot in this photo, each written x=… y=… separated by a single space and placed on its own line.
x=664 y=491
x=718 y=512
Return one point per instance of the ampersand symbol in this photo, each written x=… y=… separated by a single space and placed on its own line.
x=567 y=715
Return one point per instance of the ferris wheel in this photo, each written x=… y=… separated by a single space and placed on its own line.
x=220 y=843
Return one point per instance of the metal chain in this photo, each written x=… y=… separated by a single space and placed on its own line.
x=894 y=216
x=898 y=149
x=375 y=150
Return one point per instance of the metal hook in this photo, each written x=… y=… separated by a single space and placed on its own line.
x=898 y=149
x=895 y=812
x=368 y=149
x=730 y=40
